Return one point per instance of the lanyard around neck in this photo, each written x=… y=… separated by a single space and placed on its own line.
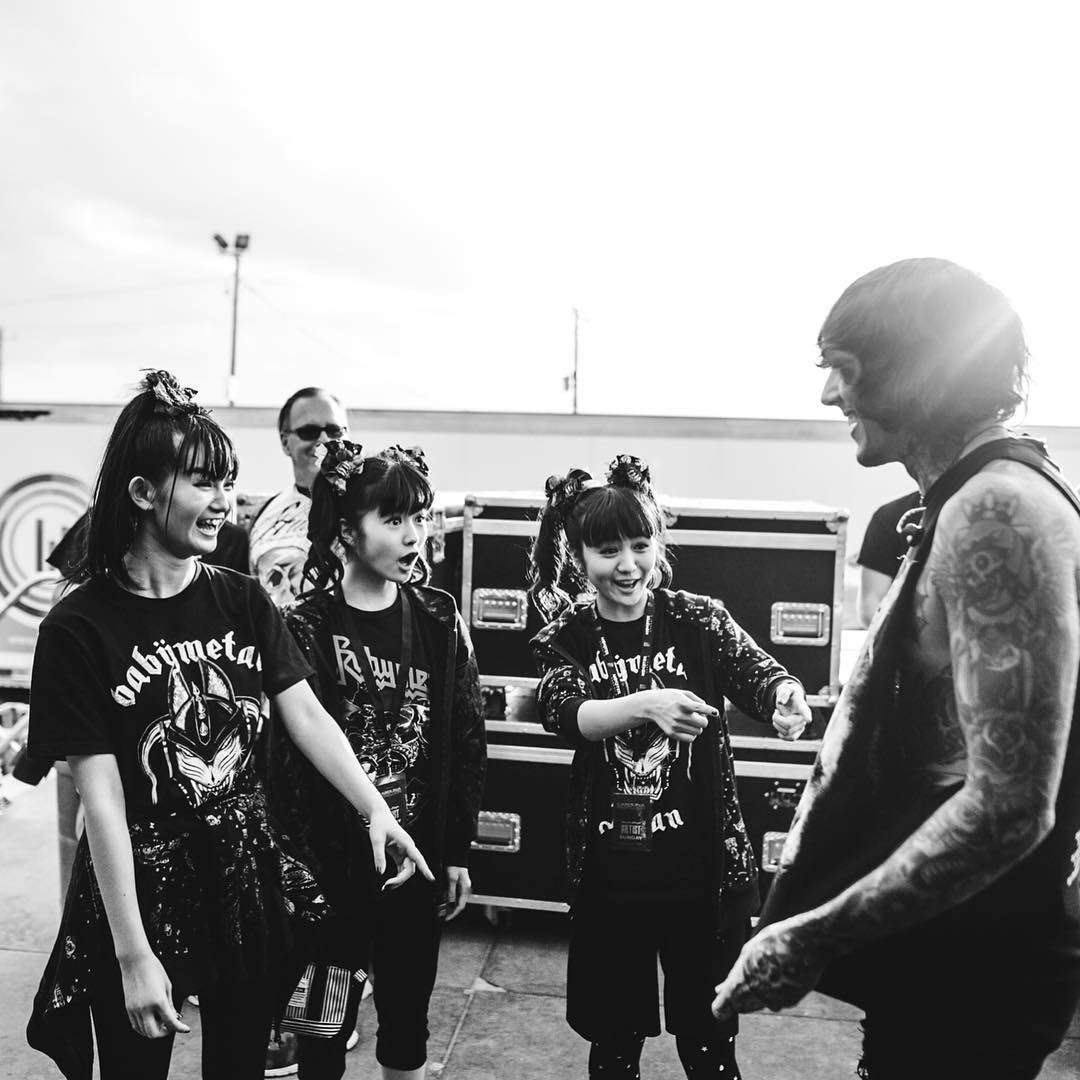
x=619 y=683
x=389 y=715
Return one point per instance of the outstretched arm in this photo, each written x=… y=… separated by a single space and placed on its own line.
x=1003 y=570
x=567 y=706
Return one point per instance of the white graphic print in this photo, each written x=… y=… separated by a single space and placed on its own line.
x=381 y=751
x=204 y=739
x=641 y=759
x=367 y=734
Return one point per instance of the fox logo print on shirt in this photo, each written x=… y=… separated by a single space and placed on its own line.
x=204 y=739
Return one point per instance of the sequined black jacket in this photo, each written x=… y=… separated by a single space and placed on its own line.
x=723 y=662
x=325 y=825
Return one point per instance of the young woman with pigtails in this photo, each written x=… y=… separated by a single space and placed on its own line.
x=151 y=679
x=634 y=677
x=394 y=665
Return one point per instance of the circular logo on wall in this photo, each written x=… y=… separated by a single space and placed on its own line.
x=35 y=513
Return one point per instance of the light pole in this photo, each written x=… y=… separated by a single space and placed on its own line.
x=570 y=381
x=239 y=246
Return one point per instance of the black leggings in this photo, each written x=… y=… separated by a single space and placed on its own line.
x=620 y=1059
x=404 y=956
x=235 y=1030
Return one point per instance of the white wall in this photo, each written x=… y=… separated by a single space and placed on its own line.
x=736 y=459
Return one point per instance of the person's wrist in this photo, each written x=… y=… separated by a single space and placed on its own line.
x=130 y=957
x=778 y=685
x=643 y=706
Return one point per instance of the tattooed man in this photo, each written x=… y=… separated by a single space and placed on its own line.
x=932 y=875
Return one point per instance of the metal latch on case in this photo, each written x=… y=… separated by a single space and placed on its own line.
x=800 y=624
x=772 y=844
x=784 y=794
x=500 y=609
x=497 y=831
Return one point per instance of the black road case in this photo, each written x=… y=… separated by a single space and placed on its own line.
x=518 y=859
x=778 y=566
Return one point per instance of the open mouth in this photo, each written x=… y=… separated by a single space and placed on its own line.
x=209 y=526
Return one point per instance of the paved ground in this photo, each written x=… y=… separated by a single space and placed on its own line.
x=497 y=1011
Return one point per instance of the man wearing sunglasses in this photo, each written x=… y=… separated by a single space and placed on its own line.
x=279 y=547
x=278 y=542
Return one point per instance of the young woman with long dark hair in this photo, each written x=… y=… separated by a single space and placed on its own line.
x=150 y=679
x=634 y=677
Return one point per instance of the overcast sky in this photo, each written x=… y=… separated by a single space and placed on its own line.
x=431 y=189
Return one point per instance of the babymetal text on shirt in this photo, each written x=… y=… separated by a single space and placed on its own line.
x=148 y=665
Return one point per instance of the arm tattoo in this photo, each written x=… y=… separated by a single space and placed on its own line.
x=1005 y=574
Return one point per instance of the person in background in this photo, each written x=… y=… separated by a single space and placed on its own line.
x=932 y=874
x=277 y=551
x=634 y=677
x=883 y=547
x=278 y=533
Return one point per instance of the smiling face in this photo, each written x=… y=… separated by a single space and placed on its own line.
x=188 y=511
x=387 y=546
x=313 y=421
x=620 y=571
x=874 y=444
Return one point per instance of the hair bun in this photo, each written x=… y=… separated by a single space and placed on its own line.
x=170 y=398
x=414 y=455
x=629 y=471
x=339 y=461
x=562 y=491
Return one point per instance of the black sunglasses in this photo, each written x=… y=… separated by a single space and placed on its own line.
x=310 y=432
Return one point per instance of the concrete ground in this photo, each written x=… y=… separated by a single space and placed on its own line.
x=496 y=1014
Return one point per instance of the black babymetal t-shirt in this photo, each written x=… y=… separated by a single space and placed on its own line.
x=644 y=761
x=175 y=688
x=385 y=744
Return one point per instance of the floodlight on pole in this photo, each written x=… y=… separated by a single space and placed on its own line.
x=239 y=246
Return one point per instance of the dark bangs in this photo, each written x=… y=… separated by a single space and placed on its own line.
x=609 y=514
x=205 y=447
x=398 y=490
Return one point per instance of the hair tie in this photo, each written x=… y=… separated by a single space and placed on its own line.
x=170 y=398
x=563 y=491
x=629 y=471
x=413 y=455
x=339 y=461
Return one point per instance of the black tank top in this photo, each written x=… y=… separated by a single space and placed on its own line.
x=1027 y=919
